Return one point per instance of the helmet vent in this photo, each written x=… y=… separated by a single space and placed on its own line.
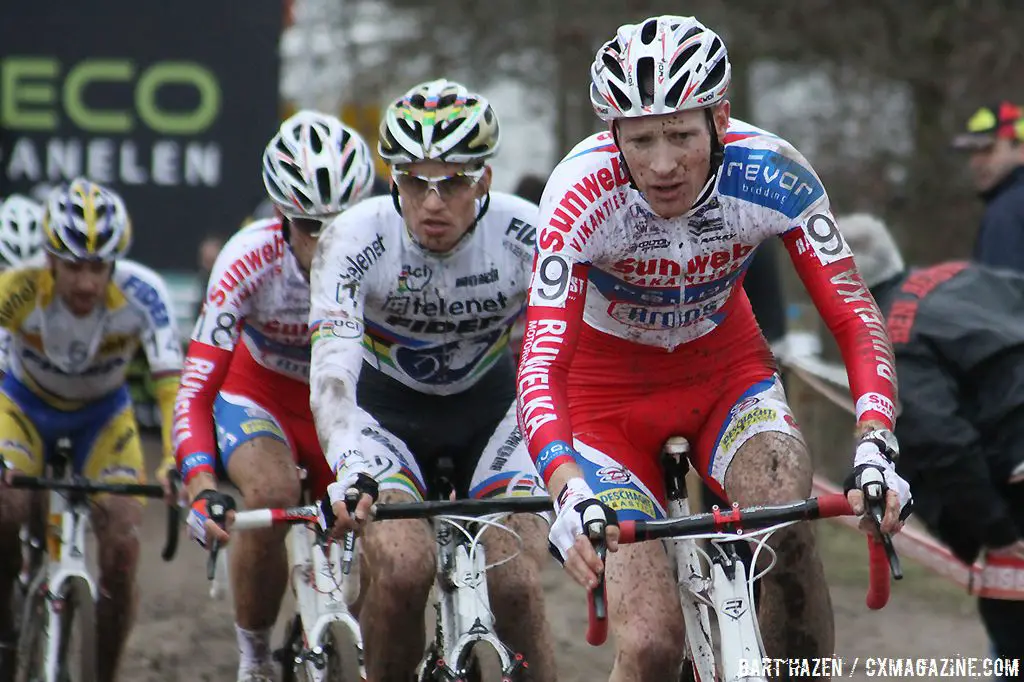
x=649 y=31
x=645 y=80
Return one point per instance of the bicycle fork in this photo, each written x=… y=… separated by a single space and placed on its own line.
x=463 y=612
x=690 y=579
x=320 y=601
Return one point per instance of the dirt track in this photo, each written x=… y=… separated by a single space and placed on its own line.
x=184 y=635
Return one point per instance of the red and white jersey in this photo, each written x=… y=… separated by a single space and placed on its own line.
x=257 y=303
x=605 y=260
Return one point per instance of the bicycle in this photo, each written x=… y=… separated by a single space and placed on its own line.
x=329 y=586
x=725 y=590
x=55 y=590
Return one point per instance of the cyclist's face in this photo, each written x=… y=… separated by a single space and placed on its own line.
x=439 y=200
x=303 y=237
x=80 y=284
x=991 y=164
x=669 y=156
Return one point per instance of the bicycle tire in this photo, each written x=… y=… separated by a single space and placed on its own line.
x=482 y=664
x=287 y=653
x=32 y=636
x=342 y=655
x=78 y=621
x=78 y=636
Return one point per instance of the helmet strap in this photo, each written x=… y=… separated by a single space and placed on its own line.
x=622 y=157
x=717 y=148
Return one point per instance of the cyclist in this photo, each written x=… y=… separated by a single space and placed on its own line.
x=75 y=322
x=21 y=241
x=21 y=231
x=243 y=407
x=413 y=299
x=638 y=329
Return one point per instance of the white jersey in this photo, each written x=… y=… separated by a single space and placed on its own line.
x=434 y=322
x=69 y=360
x=258 y=295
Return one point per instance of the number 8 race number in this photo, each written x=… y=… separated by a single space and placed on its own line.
x=551 y=282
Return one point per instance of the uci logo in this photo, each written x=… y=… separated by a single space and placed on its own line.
x=414 y=279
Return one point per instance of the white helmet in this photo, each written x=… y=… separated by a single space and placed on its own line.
x=21 y=230
x=662 y=65
x=439 y=120
x=316 y=166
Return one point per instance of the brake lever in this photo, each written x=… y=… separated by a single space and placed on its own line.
x=220 y=518
x=874 y=501
x=597 y=597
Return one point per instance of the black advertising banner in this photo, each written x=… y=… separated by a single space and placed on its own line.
x=169 y=103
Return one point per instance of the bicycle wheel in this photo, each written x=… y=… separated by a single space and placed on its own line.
x=482 y=664
x=78 y=634
x=76 y=658
x=342 y=663
x=344 y=658
x=31 y=647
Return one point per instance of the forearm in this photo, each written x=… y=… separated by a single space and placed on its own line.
x=202 y=480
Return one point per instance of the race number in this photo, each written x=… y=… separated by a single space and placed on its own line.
x=550 y=286
x=825 y=239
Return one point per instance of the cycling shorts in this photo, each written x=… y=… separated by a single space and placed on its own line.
x=717 y=392
x=265 y=404
x=104 y=436
x=475 y=429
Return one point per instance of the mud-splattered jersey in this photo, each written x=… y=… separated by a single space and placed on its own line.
x=605 y=260
x=435 y=322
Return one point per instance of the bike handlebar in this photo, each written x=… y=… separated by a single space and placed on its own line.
x=309 y=513
x=882 y=556
x=84 y=486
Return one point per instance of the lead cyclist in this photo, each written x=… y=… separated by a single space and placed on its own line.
x=638 y=329
x=413 y=299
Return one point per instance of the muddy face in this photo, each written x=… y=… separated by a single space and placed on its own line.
x=669 y=156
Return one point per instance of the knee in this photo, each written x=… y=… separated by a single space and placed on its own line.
x=276 y=491
x=14 y=511
x=770 y=468
x=119 y=556
x=400 y=559
x=651 y=649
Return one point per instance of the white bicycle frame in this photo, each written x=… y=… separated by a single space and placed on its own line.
x=57 y=573
x=464 y=615
x=323 y=593
x=728 y=593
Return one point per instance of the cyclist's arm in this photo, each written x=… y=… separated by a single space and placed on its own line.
x=825 y=265
x=337 y=293
x=161 y=343
x=943 y=450
x=5 y=349
x=206 y=365
x=554 y=315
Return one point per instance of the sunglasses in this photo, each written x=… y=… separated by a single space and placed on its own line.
x=416 y=186
x=311 y=227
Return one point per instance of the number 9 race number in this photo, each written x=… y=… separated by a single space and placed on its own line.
x=825 y=238
x=551 y=281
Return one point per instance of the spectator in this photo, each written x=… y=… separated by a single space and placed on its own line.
x=209 y=249
x=958 y=333
x=764 y=289
x=995 y=139
x=530 y=187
